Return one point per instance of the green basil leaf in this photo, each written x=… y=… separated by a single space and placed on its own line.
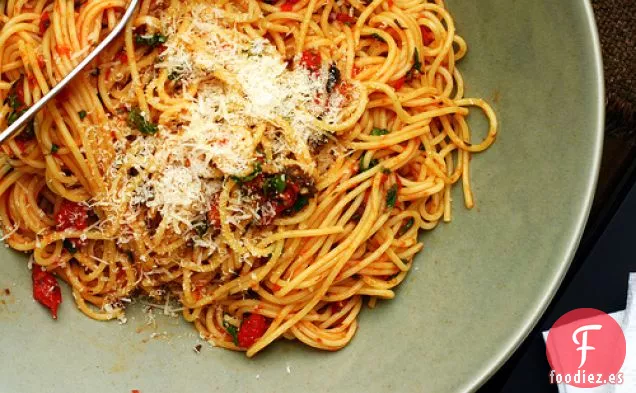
x=417 y=64
x=257 y=170
x=379 y=131
x=378 y=37
x=275 y=184
x=301 y=202
x=232 y=331
x=404 y=228
x=391 y=196
x=137 y=120
x=372 y=163
x=150 y=40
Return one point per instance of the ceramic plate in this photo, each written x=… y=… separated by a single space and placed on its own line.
x=476 y=290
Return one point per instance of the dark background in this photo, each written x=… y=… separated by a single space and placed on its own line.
x=598 y=275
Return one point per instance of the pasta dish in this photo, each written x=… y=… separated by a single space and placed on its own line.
x=266 y=163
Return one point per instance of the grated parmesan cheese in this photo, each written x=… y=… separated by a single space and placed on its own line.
x=236 y=90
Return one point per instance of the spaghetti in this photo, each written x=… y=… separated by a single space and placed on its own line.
x=267 y=163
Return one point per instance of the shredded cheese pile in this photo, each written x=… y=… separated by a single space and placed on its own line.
x=234 y=91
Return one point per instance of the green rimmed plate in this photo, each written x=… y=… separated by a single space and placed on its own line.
x=478 y=287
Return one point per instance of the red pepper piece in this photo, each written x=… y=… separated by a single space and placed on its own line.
x=345 y=18
x=46 y=289
x=45 y=22
x=311 y=60
x=397 y=84
x=288 y=5
x=252 y=328
x=71 y=215
x=214 y=217
x=428 y=37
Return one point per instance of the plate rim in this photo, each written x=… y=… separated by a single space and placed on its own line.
x=581 y=220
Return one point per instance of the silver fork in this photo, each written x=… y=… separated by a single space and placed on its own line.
x=26 y=116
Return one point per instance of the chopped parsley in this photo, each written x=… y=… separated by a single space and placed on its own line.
x=257 y=171
x=386 y=171
x=417 y=64
x=391 y=196
x=379 y=131
x=138 y=121
x=81 y=114
x=378 y=37
x=13 y=100
x=69 y=245
x=201 y=227
x=150 y=40
x=300 y=203
x=54 y=148
x=13 y=116
x=232 y=331
x=404 y=228
x=175 y=75
x=275 y=184
x=372 y=163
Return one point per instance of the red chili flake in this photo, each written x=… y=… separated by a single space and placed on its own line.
x=7 y=291
x=355 y=71
x=32 y=80
x=134 y=391
x=19 y=91
x=397 y=84
x=71 y=215
x=345 y=18
x=46 y=289
x=390 y=2
x=276 y=287
x=21 y=144
x=214 y=217
x=122 y=56
x=63 y=95
x=63 y=50
x=367 y=193
x=41 y=62
x=337 y=306
x=288 y=197
x=45 y=22
x=288 y=5
x=311 y=60
x=428 y=37
x=197 y=294
x=252 y=328
x=281 y=202
x=121 y=275
x=344 y=88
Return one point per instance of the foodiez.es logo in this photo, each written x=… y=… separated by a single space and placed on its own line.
x=586 y=348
